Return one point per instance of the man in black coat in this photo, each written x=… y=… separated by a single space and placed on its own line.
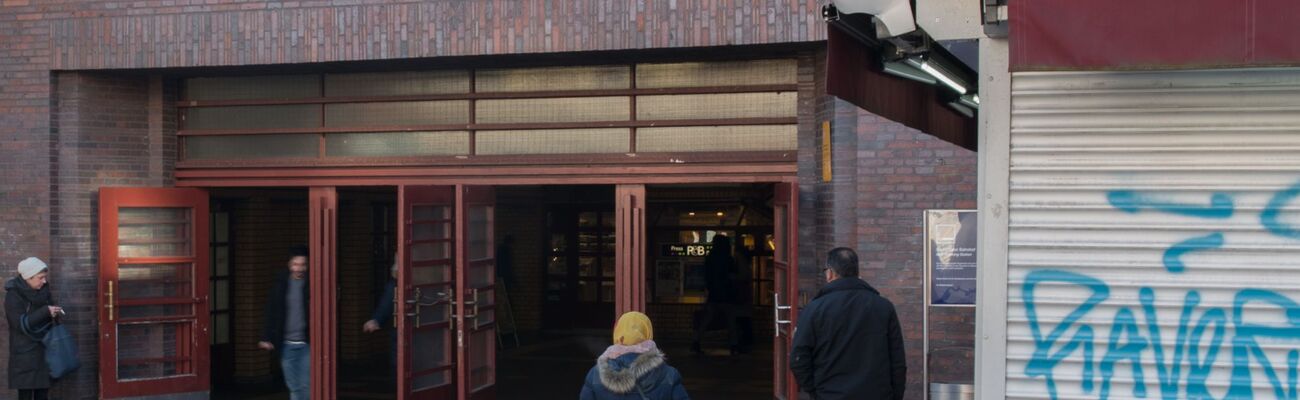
x=848 y=344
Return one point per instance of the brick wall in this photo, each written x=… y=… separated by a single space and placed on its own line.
x=181 y=33
x=884 y=176
x=105 y=131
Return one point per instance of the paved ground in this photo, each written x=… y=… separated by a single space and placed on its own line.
x=555 y=369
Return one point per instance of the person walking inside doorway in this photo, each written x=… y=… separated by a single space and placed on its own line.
x=287 y=323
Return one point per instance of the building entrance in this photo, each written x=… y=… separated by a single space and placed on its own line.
x=460 y=291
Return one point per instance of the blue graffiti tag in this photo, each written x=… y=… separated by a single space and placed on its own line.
x=1173 y=258
x=1043 y=361
x=1269 y=218
x=1183 y=370
x=1131 y=202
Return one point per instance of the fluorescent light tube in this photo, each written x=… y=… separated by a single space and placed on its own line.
x=970 y=100
x=908 y=72
x=942 y=77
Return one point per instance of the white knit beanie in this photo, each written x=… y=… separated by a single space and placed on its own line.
x=30 y=267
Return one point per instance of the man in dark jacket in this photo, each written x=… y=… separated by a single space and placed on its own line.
x=848 y=344
x=287 y=324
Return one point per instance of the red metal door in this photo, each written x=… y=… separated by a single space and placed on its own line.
x=476 y=292
x=153 y=291
x=785 y=286
x=426 y=281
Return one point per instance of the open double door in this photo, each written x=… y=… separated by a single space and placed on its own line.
x=447 y=296
x=153 y=290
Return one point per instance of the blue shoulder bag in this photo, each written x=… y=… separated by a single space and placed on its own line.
x=60 y=349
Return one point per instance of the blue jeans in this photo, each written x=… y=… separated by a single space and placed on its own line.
x=295 y=361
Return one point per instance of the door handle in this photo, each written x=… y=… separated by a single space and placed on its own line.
x=776 y=313
x=109 y=304
x=473 y=301
x=415 y=301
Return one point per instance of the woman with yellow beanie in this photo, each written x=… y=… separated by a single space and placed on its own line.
x=633 y=368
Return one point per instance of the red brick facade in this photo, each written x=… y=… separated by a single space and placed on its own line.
x=65 y=134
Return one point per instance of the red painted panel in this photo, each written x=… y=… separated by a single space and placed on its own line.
x=1277 y=31
x=1115 y=34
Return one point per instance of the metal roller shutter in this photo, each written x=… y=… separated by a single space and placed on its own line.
x=1154 y=235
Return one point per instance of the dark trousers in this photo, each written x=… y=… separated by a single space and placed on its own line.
x=719 y=312
x=33 y=394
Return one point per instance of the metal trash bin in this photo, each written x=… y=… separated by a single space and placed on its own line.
x=952 y=391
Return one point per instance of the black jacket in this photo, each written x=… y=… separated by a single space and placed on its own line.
x=27 y=368
x=273 y=327
x=848 y=345
x=719 y=279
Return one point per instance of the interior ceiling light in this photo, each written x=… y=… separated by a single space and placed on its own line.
x=720 y=213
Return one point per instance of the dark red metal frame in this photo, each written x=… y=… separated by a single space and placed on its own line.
x=629 y=250
x=409 y=198
x=785 y=260
x=467 y=322
x=472 y=126
x=197 y=350
x=322 y=279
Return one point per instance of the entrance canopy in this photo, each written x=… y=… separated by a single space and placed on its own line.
x=907 y=78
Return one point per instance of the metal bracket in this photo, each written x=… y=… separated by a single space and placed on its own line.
x=994 y=15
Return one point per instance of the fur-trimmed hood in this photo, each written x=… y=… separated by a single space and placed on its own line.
x=620 y=375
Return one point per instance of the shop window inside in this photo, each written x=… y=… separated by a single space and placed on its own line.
x=682 y=236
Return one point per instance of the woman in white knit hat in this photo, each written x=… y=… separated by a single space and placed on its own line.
x=30 y=309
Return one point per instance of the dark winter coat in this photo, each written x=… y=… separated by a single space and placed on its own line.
x=27 y=368
x=634 y=376
x=719 y=279
x=273 y=326
x=848 y=345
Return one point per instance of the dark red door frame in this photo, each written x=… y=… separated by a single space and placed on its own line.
x=196 y=353
x=413 y=298
x=629 y=237
x=629 y=250
x=322 y=278
x=785 y=260
x=474 y=295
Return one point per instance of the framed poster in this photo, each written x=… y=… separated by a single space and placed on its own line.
x=695 y=284
x=668 y=278
x=950 y=257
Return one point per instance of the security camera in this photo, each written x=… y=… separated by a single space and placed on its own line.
x=830 y=13
x=891 y=17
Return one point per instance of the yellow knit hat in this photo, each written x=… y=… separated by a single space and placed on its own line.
x=633 y=328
